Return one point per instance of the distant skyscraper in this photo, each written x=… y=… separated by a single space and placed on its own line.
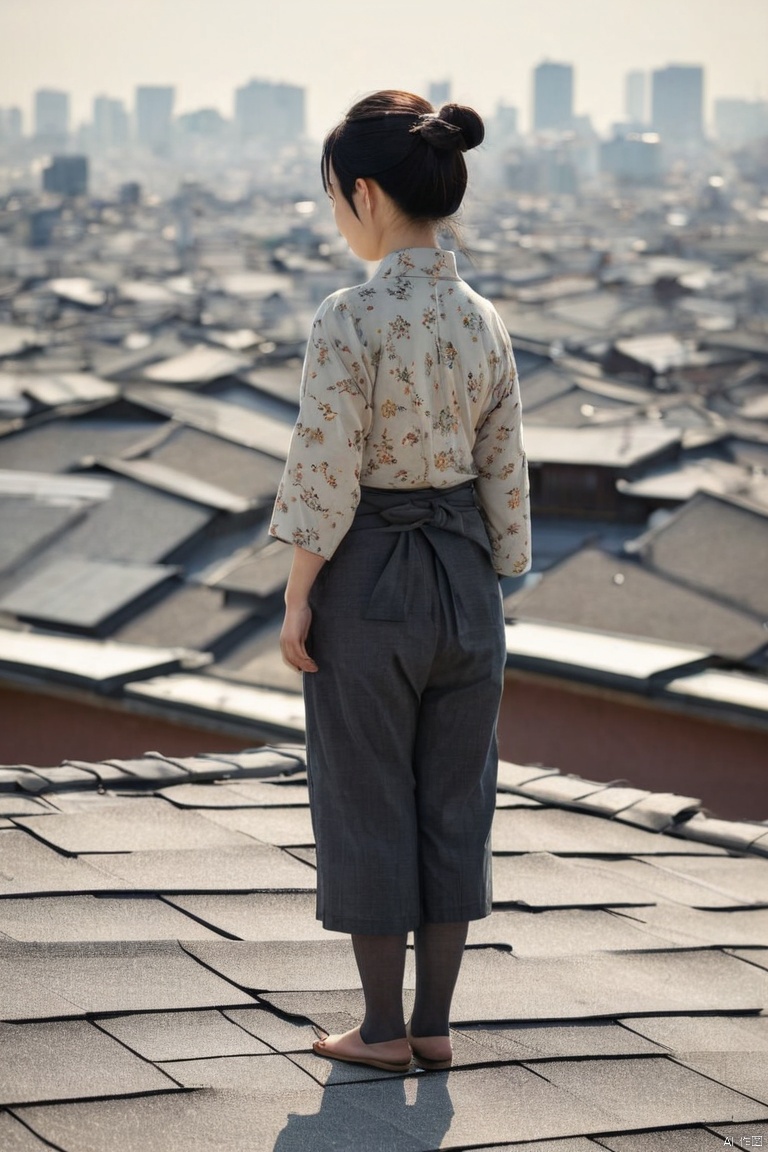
x=110 y=123
x=634 y=97
x=270 y=112
x=506 y=121
x=632 y=159
x=51 y=115
x=154 y=113
x=677 y=102
x=439 y=93
x=552 y=97
x=739 y=121
x=10 y=125
x=203 y=122
x=67 y=175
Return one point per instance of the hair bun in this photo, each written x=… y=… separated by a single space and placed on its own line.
x=452 y=128
x=466 y=120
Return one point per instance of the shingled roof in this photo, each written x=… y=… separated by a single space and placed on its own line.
x=164 y=972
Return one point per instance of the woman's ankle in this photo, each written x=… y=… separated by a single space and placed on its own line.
x=373 y=1032
x=426 y=1025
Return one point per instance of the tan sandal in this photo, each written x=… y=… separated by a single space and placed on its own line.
x=354 y=1050
x=426 y=1062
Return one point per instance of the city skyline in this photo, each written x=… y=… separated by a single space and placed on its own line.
x=206 y=50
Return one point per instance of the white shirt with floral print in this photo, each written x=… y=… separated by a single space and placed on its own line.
x=409 y=381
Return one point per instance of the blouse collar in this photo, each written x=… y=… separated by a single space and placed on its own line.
x=437 y=263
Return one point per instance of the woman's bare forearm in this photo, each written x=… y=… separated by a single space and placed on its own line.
x=298 y=615
x=304 y=571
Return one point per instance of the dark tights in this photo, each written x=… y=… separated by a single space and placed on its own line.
x=381 y=962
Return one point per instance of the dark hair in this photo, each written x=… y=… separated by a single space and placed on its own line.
x=412 y=151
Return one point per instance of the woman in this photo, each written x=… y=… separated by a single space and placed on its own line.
x=405 y=495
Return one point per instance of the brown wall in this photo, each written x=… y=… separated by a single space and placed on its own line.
x=43 y=730
x=605 y=735
x=594 y=733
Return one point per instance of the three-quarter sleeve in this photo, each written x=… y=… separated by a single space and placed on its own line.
x=502 y=486
x=320 y=487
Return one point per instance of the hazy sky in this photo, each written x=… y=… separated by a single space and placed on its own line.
x=340 y=49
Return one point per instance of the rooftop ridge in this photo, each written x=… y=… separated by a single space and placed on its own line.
x=663 y=812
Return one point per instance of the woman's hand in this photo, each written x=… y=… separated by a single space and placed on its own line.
x=293 y=637
x=305 y=568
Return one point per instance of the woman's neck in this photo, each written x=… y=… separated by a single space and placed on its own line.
x=407 y=235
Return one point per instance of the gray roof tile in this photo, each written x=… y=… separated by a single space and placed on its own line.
x=541 y=879
x=166 y=479
x=694 y=926
x=280 y=1031
x=270 y=1074
x=66 y=1059
x=189 y=616
x=513 y=776
x=67 y=776
x=734 y=571
x=558 y=830
x=648 y=1092
x=183 y=1035
x=592 y=589
x=253 y=868
x=705 y=1034
x=28 y=524
x=13 y=804
x=493 y=986
x=283 y=965
x=28 y=867
x=308 y=855
x=611 y=799
x=146 y=770
x=238 y=794
x=263 y=573
x=60 y=445
x=541 y=1040
x=100 y=665
x=656 y=811
x=84 y=594
x=262 y=916
x=570 y=1144
x=744 y=880
x=675 y=881
x=561 y=931
x=244 y=471
x=230 y=421
x=666 y=1140
x=227 y=1121
x=732 y=834
x=51 y=920
x=148 y=825
x=456 y=1109
x=137 y=525
x=15 y=1137
x=285 y=827
x=28 y=999
x=122 y=976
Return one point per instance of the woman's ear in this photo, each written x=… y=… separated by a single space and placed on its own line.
x=364 y=187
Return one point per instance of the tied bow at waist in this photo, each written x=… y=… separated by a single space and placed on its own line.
x=433 y=513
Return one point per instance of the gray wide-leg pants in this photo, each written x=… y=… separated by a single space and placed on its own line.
x=401 y=716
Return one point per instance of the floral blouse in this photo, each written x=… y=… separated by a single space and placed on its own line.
x=409 y=381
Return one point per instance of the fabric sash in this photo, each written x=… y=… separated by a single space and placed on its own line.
x=433 y=512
